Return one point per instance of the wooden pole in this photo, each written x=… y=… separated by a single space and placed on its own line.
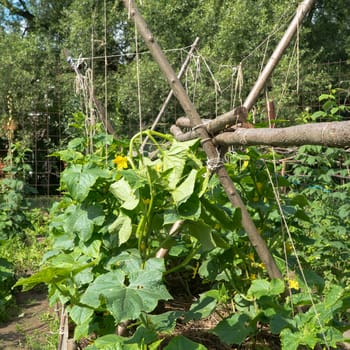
x=301 y=12
x=212 y=153
x=221 y=121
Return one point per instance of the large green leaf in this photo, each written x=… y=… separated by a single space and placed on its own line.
x=181 y=343
x=79 y=181
x=122 y=227
x=165 y=322
x=184 y=191
x=127 y=194
x=108 y=342
x=261 y=288
x=175 y=159
x=80 y=314
x=80 y=221
x=191 y=209
x=203 y=233
x=50 y=275
x=204 y=306
x=234 y=329
x=126 y=296
x=291 y=340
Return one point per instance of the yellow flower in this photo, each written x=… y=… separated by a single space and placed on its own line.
x=245 y=164
x=146 y=201
x=121 y=162
x=293 y=284
x=158 y=167
x=251 y=256
x=260 y=266
x=217 y=226
x=253 y=277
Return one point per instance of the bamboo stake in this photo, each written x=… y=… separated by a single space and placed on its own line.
x=212 y=153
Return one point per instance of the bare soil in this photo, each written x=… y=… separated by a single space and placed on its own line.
x=30 y=321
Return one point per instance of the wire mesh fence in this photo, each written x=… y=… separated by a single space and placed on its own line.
x=47 y=128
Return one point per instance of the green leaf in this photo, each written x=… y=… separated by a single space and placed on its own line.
x=165 y=322
x=183 y=192
x=81 y=224
x=126 y=299
x=108 y=342
x=261 y=288
x=234 y=329
x=191 y=210
x=318 y=114
x=48 y=275
x=80 y=314
x=323 y=97
x=122 y=226
x=203 y=233
x=79 y=181
x=128 y=195
x=69 y=155
x=333 y=337
x=181 y=343
x=142 y=335
x=219 y=214
x=278 y=322
x=175 y=159
x=202 y=308
x=292 y=339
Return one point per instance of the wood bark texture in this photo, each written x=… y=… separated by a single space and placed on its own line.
x=330 y=134
x=333 y=134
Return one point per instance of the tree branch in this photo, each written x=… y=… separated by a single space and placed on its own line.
x=24 y=12
x=332 y=134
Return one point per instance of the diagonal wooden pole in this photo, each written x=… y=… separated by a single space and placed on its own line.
x=230 y=118
x=212 y=153
x=303 y=8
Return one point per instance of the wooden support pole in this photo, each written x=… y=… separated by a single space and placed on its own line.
x=328 y=134
x=301 y=12
x=303 y=9
x=212 y=153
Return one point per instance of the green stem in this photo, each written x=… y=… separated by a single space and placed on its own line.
x=185 y=262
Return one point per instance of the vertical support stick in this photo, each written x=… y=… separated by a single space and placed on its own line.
x=212 y=153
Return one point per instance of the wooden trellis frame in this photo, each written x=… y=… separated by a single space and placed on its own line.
x=202 y=130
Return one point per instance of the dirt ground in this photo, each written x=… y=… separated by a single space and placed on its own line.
x=29 y=328
x=30 y=325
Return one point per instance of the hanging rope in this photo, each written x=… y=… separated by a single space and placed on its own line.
x=286 y=227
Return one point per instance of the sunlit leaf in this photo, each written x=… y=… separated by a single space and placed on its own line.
x=185 y=189
x=127 y=296
x=128 y=195
x=122 y=227
x=261 y=288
